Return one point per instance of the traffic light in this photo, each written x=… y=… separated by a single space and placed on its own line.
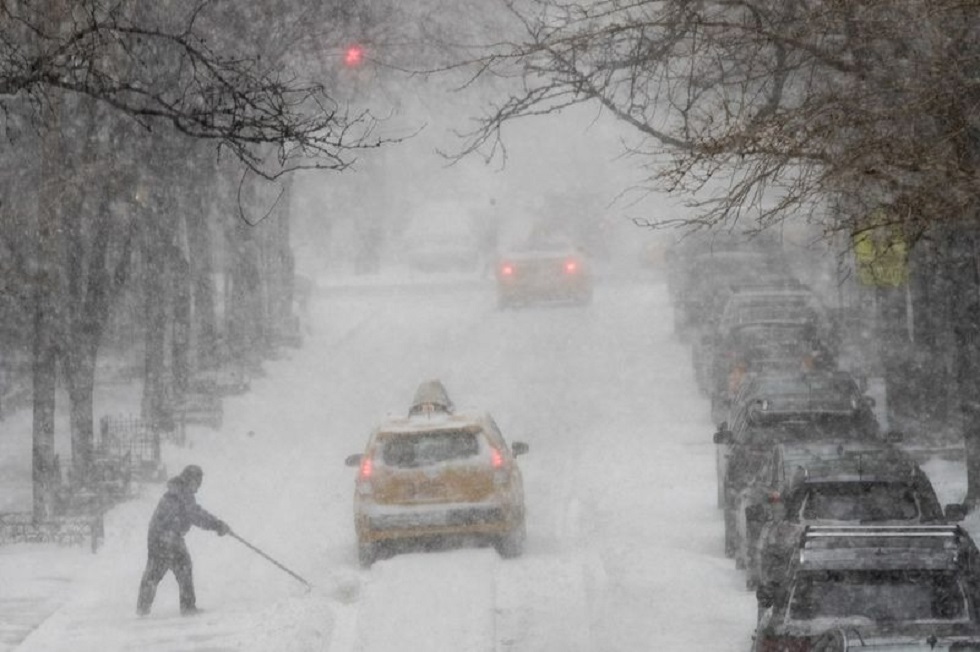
x=353 y=56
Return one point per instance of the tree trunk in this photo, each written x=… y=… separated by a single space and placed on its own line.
x=44 y=468
x=45 y=471
x=155 y=405
x=182 y=324
x=245 y=310
x=966 y=333
x=284 y=274
x=202 y=291
x=80 y=377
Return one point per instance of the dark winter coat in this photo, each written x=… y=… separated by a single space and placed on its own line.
x=176 y=512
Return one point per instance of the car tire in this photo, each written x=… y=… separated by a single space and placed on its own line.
x=511 y=545
x=367 y=553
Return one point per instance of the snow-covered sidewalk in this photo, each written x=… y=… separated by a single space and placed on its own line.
x=57 y=597
x=261 y=476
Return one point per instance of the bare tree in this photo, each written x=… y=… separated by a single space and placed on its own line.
x=156 y=62
x=179 y=64
x=762 y=108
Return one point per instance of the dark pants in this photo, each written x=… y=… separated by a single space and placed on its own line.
x=160 y=559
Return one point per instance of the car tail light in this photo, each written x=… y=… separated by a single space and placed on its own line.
x=775 y=498
x=501 y=474
x=367 y=468
x=784 y=644
x=506 y=269
x=364 y=486
x=571 y=266
x=496 y=459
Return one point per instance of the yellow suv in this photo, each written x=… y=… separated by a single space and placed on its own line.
x=438 y=474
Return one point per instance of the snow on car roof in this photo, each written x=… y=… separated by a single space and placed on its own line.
x=436 y=420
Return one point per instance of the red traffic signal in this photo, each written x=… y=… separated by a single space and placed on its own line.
x=353 y=56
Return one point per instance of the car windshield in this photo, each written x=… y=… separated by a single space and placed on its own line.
x=860 y=501
x=887 y=596
x=423 y=449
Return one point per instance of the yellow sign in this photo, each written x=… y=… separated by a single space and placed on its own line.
x=882 y=257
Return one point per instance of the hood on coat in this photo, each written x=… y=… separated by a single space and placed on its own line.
x=188 y=480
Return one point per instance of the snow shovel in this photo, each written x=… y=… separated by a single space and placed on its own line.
x=295 y=575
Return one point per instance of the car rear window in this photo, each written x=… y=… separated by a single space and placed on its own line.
x=860 y=501
x=883 y=596
x=423 y=449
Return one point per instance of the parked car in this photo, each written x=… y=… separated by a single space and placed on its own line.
x=915 y=582
x=773 y=409
x=438 y=474
x=750 y=348
x=782 y=299
x=701 y=269
x=828 y=483
x=781 y=308
x=544 y=271
x=832 y=396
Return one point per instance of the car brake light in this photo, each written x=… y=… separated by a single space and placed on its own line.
x=367 y=468
x=507 y=270
x=775 y=498
x=571 y=266
x=496 y=459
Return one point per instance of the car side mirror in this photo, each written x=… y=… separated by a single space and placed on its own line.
x=765 y=595
x=519 y=448
x=723 y=436
x=353 y=460
x=956 y=512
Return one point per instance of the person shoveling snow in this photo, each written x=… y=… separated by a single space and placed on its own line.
x=176 y=512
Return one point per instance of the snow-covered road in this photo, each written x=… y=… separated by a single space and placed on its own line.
x=624 y=546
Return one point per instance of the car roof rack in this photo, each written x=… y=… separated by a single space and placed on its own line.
x=881 y=547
